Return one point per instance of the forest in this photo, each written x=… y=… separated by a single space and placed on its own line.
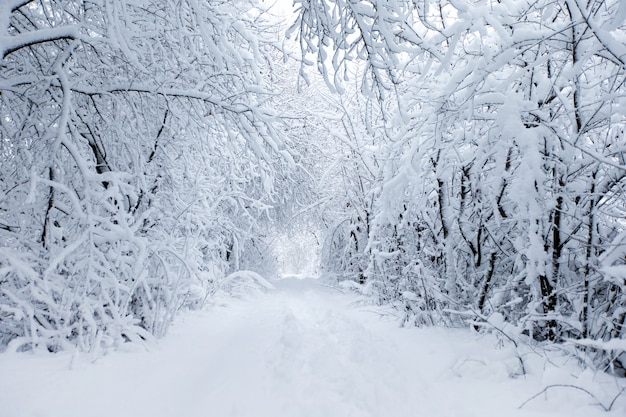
x=460 y=161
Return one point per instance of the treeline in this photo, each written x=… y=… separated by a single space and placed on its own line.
x=485 y=184
x=138 y=163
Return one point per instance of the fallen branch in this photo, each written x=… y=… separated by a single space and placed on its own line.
x=545 y=390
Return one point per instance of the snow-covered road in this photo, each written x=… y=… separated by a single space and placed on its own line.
x=301 y=350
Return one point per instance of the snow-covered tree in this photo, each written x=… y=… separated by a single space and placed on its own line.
x=138 y=161
x=502 y=192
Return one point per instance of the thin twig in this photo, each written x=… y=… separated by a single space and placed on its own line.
x=605 y=408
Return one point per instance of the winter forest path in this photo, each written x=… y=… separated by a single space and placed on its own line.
x=301 y=350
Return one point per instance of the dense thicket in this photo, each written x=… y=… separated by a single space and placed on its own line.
x=498 y=192
x=138 y=162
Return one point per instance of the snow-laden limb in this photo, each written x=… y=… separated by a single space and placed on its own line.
x=9 y=44
x=618 y=345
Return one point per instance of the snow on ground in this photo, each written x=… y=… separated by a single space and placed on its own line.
x=297 y=351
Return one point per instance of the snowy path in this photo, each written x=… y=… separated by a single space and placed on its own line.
x=302 y=350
